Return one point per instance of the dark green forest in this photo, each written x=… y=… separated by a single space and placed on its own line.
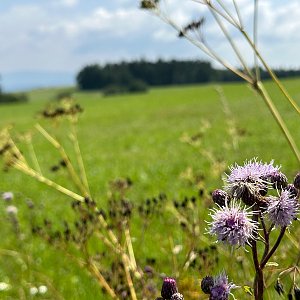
x=138 y=75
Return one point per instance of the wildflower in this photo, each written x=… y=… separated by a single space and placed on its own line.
x=221 y=288
x=206 y=284
x=177 y=296
x=42 y=289
x=169 y=288
x=282 y=210
x=33 y=290
x=4 y=286
x=250 y=181
x=11 y=210
x=7 y=196
x=297 y=181
x=220 y=197
x=233 y=224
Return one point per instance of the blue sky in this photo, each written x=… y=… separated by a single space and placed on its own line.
x=61 y=36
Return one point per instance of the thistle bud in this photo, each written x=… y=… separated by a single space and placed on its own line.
x=297 y=181
x=206 y=284
x=278 y=180
x=220 y=197
x=169 y=288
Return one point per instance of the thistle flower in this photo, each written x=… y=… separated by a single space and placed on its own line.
x=250 y=181
x=282 y=210
x=169 y=288
x=293 y=191
x=233 y=224
x=221 y=288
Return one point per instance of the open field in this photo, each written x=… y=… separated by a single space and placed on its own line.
x=140 y=137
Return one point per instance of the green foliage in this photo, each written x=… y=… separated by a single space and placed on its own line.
x=13 y=98
x=138 y=136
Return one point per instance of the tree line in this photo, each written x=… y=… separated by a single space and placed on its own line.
x=138 y=75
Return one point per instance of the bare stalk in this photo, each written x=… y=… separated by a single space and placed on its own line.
x=39 y=177
x=74 y=138
x=65 y=157
x=264 y=94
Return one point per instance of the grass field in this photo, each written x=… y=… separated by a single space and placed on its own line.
x=138 y=136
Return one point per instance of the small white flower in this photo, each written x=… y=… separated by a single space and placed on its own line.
x=177 y=249
x=33 y=290
x=7 y=196
x=11 y=210
x=43 y=289
x=4 y=286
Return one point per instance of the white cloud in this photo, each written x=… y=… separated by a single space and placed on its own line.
x=44 y=36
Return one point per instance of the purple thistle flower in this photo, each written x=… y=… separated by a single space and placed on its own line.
x=221 y=288
x=282 y=210
x=249 y=181
x=169 y=288
x=233 y=224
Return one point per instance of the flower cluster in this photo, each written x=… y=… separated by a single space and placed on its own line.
x=217 y=287
x=250 y=183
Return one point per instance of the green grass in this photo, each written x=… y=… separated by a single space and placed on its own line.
x=138 y=136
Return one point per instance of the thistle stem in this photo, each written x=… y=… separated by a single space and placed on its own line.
x=274 y=248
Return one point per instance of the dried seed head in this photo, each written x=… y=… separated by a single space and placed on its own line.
x=297 y=293
x=279 y=287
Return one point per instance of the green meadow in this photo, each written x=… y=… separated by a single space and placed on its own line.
x=141 y=137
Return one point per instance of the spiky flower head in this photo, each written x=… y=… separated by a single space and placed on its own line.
x=233 y=224
x=282 y=210
x=177 y=296
x=297 y=181
x=169 y=288
x=220 y=197
x=221 y=288
x=206 y=284
x=250 y=181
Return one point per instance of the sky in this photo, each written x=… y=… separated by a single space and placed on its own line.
x=48 y=42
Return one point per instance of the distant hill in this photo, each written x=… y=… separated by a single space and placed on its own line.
x=28 y=80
